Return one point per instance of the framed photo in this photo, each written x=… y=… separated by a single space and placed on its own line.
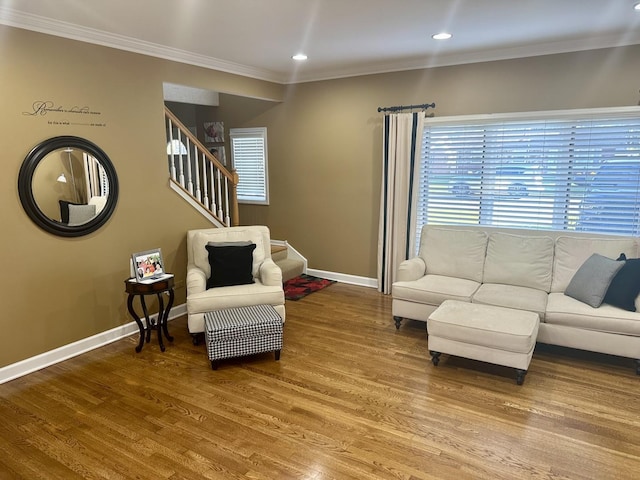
x=148 y=265
x=218 y=152
x=214 y=132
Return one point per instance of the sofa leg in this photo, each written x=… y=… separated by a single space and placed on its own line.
x=637 y=366
x=520 y=376
x=195 y=338
x=435 y=357
x=397 y=320
x=277 y=352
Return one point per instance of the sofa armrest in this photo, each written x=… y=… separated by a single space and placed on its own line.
x=411 y=269
x=196 y=279
x=270 y=273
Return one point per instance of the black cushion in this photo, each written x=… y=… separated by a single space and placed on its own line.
x=64 y=210
x=230 y=265
x=625 y=286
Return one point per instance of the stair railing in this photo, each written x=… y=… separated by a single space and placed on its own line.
x=199 y=173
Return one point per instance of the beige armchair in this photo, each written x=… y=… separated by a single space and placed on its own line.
x=266 y=289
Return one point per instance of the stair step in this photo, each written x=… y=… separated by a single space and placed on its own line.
x=279 y=252
x=290 y=267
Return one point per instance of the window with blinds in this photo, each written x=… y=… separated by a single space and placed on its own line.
x=249 y=154
x=569 y=171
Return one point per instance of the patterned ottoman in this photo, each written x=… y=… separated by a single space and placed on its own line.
x=235 y=332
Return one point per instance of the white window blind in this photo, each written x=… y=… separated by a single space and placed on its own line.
x=569 y=171
x=249 y=154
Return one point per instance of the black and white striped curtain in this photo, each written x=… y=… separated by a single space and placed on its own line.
x=402 y=143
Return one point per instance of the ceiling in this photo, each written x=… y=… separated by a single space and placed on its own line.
x=257 y=38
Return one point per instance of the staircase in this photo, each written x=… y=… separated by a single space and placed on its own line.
x=290 y=262
x=198 y=176
x=209 y=187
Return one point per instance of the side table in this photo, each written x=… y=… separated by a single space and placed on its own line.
x=140 y=289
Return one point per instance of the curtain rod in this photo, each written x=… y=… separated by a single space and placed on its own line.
x=398 y=108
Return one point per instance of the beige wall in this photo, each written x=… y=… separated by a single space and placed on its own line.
x=324 y=163
x=325 y=140
x=57 y=290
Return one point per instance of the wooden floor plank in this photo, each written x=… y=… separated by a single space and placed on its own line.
x=350 y=398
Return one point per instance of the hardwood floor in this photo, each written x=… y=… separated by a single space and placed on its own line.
x=351 y=397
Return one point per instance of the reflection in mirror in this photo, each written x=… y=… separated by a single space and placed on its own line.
x=68 y=186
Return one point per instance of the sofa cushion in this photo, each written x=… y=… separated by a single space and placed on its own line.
x=571 y=252
x=591 y=281
x=625 y=286
x=230 y=264
x=569 y=312
x=525 y=261
x=235 y=296
x=434 y=289
x=512 y=296
x=454 y=252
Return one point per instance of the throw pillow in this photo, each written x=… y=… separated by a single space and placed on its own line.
x=230 y=244
x=591 y=282
x=79 y=214
x=230 y=265
x=625 y=286
x=64 y=210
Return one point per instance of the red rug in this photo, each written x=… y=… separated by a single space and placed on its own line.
x=301 y=286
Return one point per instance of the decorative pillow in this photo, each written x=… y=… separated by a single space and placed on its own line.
x=79 y=214
x=591 y=282
x=234 y=234
x=625 y=286
x=64 y=210
x=230 y=244
x=230 y=265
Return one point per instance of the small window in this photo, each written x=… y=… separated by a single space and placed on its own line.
x=249 y=154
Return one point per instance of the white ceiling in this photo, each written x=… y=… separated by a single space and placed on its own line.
x=342 y=38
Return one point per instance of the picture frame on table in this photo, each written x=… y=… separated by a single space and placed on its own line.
x=148 y=266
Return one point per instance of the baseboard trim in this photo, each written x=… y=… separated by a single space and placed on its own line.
x=30 y=365
x=344 y=278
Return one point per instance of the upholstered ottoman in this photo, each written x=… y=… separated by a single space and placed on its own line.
x=236 y=332
x=503 y=336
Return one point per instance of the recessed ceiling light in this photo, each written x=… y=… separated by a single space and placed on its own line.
x=299 y=57
x=442 y=36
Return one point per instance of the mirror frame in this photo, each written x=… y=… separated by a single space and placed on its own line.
x=25 y=186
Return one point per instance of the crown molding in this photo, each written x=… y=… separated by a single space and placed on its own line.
x=447 y=60
x=71 y=31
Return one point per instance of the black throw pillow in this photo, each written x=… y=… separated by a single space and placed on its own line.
x=625 y=286
x=230 y=265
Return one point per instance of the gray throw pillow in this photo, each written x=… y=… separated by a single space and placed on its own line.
x=591 y=281
x=79 y=214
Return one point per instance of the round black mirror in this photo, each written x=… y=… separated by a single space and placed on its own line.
x=68 y=186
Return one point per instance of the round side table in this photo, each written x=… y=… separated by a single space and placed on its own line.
x=140 y=289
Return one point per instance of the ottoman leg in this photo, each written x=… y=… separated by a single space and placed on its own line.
x=277 y=352
x=520 y=376
x=435 y=357
x=214 y=364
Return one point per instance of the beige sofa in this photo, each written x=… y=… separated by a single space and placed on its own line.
x=521 y=269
